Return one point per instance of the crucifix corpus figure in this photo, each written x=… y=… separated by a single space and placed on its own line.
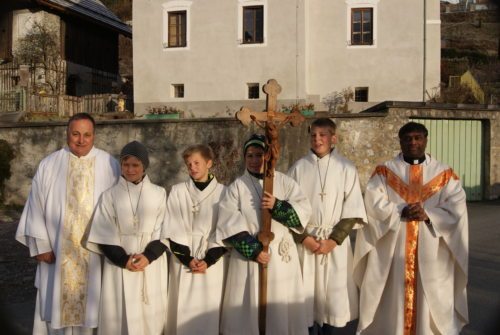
x=272 y=121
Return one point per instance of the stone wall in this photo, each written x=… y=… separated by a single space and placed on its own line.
x=367 y=139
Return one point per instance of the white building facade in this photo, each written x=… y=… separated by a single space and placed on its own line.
x=209 y=58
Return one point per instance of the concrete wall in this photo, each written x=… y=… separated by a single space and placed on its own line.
x=367 y=139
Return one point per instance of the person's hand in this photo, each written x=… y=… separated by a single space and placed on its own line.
x=311 y=244
x=268 y=200
x=325 y=246
x=137 y=262
x=198 y=266
x=46 y=257
x=263 y=257
x=414 y=212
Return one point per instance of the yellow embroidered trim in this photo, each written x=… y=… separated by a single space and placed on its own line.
x=412 y=193
x=74 y=258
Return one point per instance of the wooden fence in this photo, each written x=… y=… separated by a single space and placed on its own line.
x=16 y=81
x=66 y=105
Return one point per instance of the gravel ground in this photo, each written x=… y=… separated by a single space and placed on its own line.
x=17 y=269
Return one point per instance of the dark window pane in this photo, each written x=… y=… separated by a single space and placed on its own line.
x=361 y=26
x=253 y=91
x=367 y=14
x=367 y=38
x=253 y=24
x=177 y=29
x=361 y=94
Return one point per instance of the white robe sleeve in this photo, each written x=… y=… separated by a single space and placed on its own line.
x=104 y=228
x=298 y=201
x=353 y=205
x=450 y=222
x=231 y=221
x=32 y=229
x=174 y=227
x=383 y=217
x=382 y=213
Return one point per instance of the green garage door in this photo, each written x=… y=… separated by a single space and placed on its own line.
x=459 y=143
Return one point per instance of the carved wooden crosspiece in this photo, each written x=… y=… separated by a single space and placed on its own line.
x=271 y=121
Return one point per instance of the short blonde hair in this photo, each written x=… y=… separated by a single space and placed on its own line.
x=324 y=123
x=204 y=150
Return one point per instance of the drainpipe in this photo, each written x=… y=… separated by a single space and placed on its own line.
x=297 y=51
x=425 y=51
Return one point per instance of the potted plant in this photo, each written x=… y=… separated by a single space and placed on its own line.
x=163 y=112
x=304 y=109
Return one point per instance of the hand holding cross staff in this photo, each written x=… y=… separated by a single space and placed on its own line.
x=271 y=121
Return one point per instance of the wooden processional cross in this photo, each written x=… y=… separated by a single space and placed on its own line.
x=271 y=121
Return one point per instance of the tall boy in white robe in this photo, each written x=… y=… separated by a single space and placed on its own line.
x=63 y=194
x=331 y=184
x=411 y=259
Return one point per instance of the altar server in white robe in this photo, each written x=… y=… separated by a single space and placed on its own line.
x=411 y=259
x=126 y=228
x=238 y=225
x=64 y=191
x=331 y=184
x=196 y=269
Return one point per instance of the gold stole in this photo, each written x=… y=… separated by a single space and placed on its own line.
x=74 y=258
x=413 y=192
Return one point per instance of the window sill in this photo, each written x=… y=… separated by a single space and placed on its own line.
x=251 y=45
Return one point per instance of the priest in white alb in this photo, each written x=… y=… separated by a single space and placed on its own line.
x=331 y=183
x=64 y=191
x=411 y=259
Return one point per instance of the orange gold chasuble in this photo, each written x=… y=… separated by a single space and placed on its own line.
x=414 y=192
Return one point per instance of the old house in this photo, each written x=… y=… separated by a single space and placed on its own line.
x=484 y=84
x=211 y=57
x=86 y=35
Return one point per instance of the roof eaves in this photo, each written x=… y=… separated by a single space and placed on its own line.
x=91 y=10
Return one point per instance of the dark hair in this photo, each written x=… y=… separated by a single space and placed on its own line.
x=324 y=123
x=82 y=116
x=412 y=127
x=205 y=151
x=256 y=140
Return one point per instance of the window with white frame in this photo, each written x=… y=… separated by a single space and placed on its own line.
x=362 y=26
x=252 y=17
x=178 y=90
x=253 y=24
x=176 y=18
x=253 y=90
x=361 y=94
x=361 y=23
x=177 y=29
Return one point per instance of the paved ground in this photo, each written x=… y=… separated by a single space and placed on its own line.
x=17 y=270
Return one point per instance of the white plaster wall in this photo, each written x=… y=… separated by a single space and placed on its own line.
x=392 y=69
x=215 y=66
x=305 y=50
x=433 y=53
